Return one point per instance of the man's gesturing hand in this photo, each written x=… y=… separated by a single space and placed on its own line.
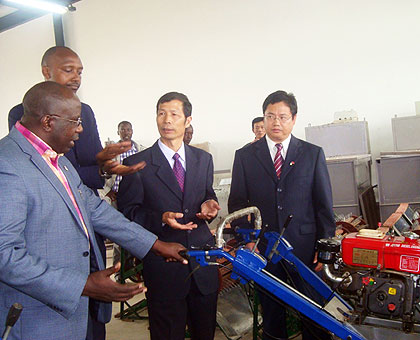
x=209 y=210
x=109 y=166
x=100 y=286
x=170 y=217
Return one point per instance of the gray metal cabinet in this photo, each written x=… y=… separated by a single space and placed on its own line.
x=349 y=177
x=340 y=139
x=398 y=181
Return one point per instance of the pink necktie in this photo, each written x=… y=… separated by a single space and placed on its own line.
x=179 y=171
x=278 y=160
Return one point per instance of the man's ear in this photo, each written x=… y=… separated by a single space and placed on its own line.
x=188 y=121
x=46 y=123
x=46 y=72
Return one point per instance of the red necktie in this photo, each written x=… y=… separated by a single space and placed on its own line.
x=278 y=160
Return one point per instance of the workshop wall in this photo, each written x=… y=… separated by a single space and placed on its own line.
x=227 y=56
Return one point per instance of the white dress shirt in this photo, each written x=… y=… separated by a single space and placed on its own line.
x=169 y=154
x=273 y=149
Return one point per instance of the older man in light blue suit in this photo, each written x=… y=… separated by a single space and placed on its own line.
x=47 y=225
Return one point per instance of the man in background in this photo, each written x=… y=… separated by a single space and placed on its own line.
x=258 y=128
x=282 y=175
x=188 y=134
x=125 y=131
x=63 y=65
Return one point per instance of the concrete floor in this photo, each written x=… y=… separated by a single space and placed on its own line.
x=138 y=329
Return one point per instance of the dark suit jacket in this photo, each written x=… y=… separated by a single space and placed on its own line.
x=83 y=155
x=303 y=190
x=144 y=196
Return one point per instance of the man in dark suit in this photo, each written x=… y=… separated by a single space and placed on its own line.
x=172 y=197
x=62 y=65
x=283 y=175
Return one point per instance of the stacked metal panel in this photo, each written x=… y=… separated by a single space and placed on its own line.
x=349 y=177
x=347 y=148
x=398 y=181
x=399 y=171
x=405 y=133
x=340 y=139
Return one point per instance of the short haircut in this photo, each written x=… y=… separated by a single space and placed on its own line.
x=256 y=120
x=51 y=51
x=124 y=122
x=186 y=105
x=40 y=98
x=281 y=96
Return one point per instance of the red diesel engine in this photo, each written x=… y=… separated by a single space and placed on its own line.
x=389 y=252
x=378 y=273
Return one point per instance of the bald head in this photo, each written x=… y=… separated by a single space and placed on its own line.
x=51 y=111
x=55 y=51
x=62 y=65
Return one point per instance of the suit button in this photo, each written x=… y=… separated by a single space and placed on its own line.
x=279 y=207
x=186 y=211
x=279 y=189
x=86 y=253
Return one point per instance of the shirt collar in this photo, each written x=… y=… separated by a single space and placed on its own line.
x=40 y=146
x=273 y=149
x=272 y=144
x=169 y=153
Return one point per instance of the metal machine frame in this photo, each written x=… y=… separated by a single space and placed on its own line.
x=249 y=265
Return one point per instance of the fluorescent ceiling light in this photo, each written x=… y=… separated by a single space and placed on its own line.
x=44 y=5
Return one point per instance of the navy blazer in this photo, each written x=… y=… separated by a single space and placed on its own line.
x=144 y=196
x=83 y=154
x=303 y=190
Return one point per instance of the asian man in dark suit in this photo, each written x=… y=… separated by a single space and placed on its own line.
x=173 y=197
x=283 y=175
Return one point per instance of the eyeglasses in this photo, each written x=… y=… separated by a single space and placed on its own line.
x=78 y=122
x=272 y=117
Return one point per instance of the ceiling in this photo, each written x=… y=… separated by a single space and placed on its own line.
x=12 y=15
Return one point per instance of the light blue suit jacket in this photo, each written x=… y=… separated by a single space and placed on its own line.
x=44 y=251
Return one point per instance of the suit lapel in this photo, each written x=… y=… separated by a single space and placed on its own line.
x=44 y=168
x=164 y=171
x=293 y=153
x=192 y=173
x=77 y=194
x=263 y=155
